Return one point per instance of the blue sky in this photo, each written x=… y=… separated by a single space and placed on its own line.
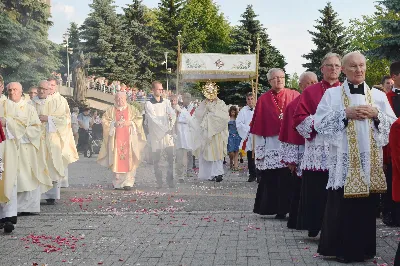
x=287 y=21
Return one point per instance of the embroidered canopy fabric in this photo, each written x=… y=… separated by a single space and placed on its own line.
x=218 y=67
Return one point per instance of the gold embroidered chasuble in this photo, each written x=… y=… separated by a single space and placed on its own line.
x=60 y=144
x=19 y=151
x=210 y=130
x=113 y=152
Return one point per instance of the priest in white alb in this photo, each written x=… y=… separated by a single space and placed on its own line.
x=210 y=132
x=183 y=136
x=123 y=141
x=243 y=121
x=355 y=120
x=22 y=180
x=160 y=119
x=61 y=149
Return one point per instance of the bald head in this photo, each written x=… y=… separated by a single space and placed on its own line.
x=14 y=90
x=354 y=66
x=120 y=99
x=306 y=79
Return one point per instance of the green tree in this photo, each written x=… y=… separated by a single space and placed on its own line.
x=136 y=25
x=388 y=47
x=244 y=38
x=293 y=81
x=111 y=53
x=329 y=37
x=204 y=28
x=26 y=54
x=165 y=23
x=74 y=43
x=74 y=37
x=364 y=34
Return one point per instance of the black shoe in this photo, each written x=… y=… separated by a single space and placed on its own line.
x=252 y=179
x=1 y=226
x=181 y=181
x=27 y=213
x=312 y=233
x=258 y=179
x=213 y=179
x=8 y=227
x=218 y=178
x=127 y=188
x=51 y=202
x=280 y=216
x=241 y=161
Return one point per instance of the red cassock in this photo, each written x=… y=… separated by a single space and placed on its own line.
x=394 y=140
x=270 y=105
x=288 y=133
x=309 y=101
x=386 y=150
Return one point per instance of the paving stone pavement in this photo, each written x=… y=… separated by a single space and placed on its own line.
x=196 y=223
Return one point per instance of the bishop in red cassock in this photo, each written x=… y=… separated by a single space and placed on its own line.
x=273 y=193
x=389 y=216
x=292 y=147
x=314 y=165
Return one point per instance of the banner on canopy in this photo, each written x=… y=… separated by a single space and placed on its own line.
x=218 y=67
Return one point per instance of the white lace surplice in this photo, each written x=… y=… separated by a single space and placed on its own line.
x=316 y=151
x=329 y=123
x=268 y=153
x=292 y=154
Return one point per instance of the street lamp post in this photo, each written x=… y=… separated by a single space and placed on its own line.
x=69 y=51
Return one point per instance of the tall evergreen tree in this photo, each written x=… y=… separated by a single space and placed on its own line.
x=329 y=37
x=74 y=43
x=244 y=38
x=110 y=51
x=166 y=29
x=27 y=55
x=389 y=47
x=74 y=37
x=137 y=28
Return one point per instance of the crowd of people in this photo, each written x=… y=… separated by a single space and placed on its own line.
x=327 y=156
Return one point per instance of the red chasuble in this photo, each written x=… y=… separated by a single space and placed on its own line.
x=288 y=133
x=394 y=140
x=309 y=101
x=2 y=135
x=270 y=108
x=122 y=141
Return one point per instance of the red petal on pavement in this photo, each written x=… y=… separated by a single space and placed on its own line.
x=121 y=259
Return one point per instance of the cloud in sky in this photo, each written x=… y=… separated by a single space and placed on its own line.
x=67 y=10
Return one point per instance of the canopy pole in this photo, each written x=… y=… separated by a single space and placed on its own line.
x=256 y=88
x=178 y=63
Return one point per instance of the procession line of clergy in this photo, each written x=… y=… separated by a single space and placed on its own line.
x=344 y=127
x=171 y=129
x=30 y=151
